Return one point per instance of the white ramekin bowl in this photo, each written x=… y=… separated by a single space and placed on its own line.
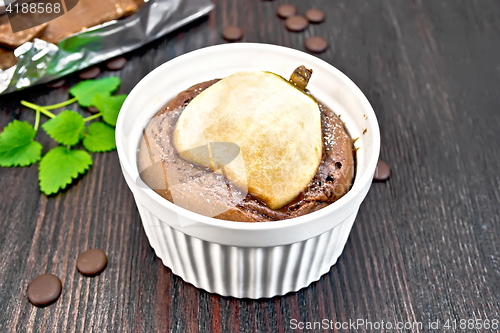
x=236 y=258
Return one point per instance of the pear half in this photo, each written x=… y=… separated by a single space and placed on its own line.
x=276 y=126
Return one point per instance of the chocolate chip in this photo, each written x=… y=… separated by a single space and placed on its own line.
x=315 y=15
x=232 y=33
x=90 y=74
x=316 y=44
x=91 y=262
x=296 y=23
x=286 y=10
x=116 y=64
x=56 y=84
x=382 y=172
x=92 y=109
x=44 y=289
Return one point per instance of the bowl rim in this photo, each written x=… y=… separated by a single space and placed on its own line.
x=356 y=189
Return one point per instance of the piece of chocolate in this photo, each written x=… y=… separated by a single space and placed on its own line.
x=316 y=44
x=92 y=109
x=70 y=4
x=90 y=73
x=286 y=10
x=7 y=58
x=44 y=290
x=232 y=33
x=14 y=40
x=315 y=15
x=56 y=84
x=382 y=172
x=86 y=14
x=296 y=23
x=25 y=15
x=116 y=64
x=91 y=262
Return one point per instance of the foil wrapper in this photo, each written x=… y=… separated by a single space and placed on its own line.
x=41 y=62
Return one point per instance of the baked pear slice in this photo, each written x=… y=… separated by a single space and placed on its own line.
x=276 y=126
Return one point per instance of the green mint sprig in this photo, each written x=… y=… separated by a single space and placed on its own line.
x=17 y=145
x=62 y=164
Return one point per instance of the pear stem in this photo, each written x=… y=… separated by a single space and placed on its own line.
x=301 y=76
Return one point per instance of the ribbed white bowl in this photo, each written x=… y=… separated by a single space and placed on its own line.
x=235 y=258
x=251 y=272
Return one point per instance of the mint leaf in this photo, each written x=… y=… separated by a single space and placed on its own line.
x=100 y=138
x=17 y=147
x=66 y=128
x=60 y=166
x=86 y=90
x=109 y=106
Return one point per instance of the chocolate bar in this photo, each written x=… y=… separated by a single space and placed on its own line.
x=10 y=39
x=86 y=14
x=7 y=58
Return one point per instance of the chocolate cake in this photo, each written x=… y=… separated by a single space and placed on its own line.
x=158 y=158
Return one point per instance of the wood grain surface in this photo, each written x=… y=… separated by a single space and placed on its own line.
x=425 y=245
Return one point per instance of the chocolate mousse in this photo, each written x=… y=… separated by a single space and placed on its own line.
x=198 y=188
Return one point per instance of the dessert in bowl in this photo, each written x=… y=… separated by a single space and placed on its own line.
x=231 y=257
x=251 y=147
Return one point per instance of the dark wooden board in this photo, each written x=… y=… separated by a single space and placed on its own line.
x=425 y=243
